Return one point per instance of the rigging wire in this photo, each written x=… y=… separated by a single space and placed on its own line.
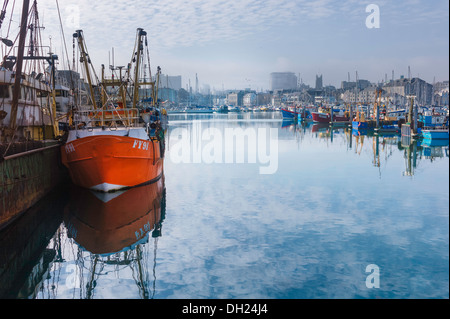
x=10 y=19
x=3 y=12
x=65 y=45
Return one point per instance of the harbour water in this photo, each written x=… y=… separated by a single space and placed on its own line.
x=251 y=206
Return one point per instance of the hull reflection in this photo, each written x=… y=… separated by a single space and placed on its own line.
x=25 y=253
x=107 y=223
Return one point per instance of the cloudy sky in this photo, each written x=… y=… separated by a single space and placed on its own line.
x=238 y=43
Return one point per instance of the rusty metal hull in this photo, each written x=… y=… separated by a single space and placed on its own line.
x=27 y=177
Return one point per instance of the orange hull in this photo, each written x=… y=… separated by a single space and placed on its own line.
x=109 y=162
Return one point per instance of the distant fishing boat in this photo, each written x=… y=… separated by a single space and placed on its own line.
x=291 y=112
x=434 y=124
x=222 y=109
x=397 y=116
x=305 y=115
x=111 y=147
x=323 y=115
x=359 y=122
x=433 y=119
x=388 y=122
x=199 y=110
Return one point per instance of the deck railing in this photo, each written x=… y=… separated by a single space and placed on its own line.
x=109 y=117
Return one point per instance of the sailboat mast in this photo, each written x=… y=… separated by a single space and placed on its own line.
x=19 y=63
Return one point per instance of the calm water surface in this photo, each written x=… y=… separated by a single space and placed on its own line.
x=337 y=214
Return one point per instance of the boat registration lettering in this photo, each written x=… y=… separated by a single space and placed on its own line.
x=141 y=145
x=69 y=148
x=142 y=231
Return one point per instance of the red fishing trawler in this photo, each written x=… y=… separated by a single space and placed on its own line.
x=111 y=147
x=323 y=115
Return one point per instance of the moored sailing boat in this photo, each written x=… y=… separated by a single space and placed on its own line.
x=110 y=147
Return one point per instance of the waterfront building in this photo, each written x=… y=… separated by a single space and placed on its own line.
x=219 y=100
x=319 y=82
x=360 y=84
x=249 y=99
x=235 y=98
x=292 y=98
x=69 y=78
x=169 y=82
x=276 y=99
x=365 y=96
x=440 y=93
x=168 y=95
x=263 y=99
x=283 y=81
x=417 y=87
x=346 y=85
x=441 y=86
x=368 y=95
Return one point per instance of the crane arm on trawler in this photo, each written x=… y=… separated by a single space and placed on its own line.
x=137 y=59
x=86 y=61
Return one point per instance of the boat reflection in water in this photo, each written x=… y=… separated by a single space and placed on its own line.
x=113 y=230
x=25 y=254
x=434 y=149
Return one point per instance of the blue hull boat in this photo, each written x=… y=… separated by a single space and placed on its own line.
x=435 y=134
x=289 y=114
x=359 y=125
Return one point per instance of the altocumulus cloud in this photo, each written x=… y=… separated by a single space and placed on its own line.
x=187 y=22
x=174 y=23
x=206 y=27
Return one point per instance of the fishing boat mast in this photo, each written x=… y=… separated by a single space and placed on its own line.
x=10 y=132
x=137 y=57
x=376 y=106
x=139 y=51
x=155 y=91
x=86 y=61
x=19 y=63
